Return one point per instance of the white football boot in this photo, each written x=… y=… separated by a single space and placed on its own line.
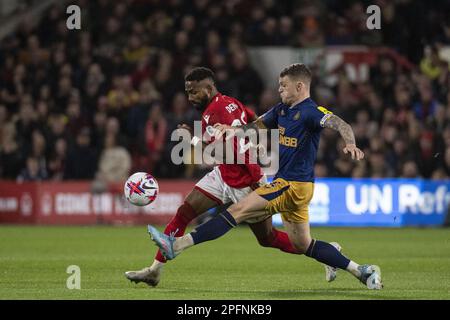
x=371 y=276
x=148 y=275
x=330 y=272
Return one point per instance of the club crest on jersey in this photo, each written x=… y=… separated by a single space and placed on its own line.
x=206 y=117
x=297 y=115
x=282 y=112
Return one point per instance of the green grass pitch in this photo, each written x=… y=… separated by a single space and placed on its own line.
x=415 y=264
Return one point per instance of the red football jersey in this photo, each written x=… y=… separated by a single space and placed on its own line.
x=226 y=110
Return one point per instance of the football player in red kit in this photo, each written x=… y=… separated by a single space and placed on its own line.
x=225 y=183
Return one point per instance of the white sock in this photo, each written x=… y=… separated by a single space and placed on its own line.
x=157 y=265
x=182 y=243
x=353 y=269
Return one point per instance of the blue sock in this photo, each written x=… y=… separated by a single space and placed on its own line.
x=214 y=228
x=326 y=253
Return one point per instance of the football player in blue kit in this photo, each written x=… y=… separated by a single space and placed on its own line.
x=299 y=121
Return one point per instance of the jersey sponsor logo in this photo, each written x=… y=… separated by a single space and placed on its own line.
x=231 y=107
x=286 y=141
x=206 y=117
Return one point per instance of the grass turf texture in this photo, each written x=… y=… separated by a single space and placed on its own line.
x=415 y=264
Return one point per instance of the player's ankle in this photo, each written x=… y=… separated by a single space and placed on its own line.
x=157 y=265
x=353 y=269
x=182 y=243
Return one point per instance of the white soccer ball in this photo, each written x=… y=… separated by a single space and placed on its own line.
x=141 y=189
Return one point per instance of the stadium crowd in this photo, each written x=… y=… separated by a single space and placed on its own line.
x=102 y=101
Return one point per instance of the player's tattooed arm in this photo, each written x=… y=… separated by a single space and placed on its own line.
x=336 y=123
x=346 y=132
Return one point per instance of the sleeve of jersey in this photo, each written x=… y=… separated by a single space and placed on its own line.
x=251 y=115
x=317 y=117
x=270 y=118
x=220 y=115
x=208 y=127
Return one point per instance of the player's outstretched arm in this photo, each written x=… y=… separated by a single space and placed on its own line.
x=346 y=132
x=222 y=128
x=195 y=140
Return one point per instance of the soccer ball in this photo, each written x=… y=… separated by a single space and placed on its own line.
x=141 y=189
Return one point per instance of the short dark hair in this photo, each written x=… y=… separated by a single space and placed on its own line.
x=200 y=73
x=297 y=70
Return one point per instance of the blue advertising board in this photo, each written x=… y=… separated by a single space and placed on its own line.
x=378 y=202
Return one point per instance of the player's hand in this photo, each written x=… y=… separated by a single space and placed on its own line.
x=221 y=129
x=355 y=152
x=262 y=150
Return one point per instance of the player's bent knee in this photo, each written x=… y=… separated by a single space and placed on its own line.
x=301 y=246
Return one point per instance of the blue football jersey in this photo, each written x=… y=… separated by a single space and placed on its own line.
x=299 y=133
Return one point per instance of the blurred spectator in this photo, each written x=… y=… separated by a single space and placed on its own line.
x=75 y=118
x=320 y=170
x=426 y=107
x=11 y=159
x=360 y=170
x=115 y=162
x=123 y=95
x=135 y=50
x=99 y=125
x=245 y=79
x=25 y=125
x=57 y=128
x=377 y=165
x=39 y=149
x=33 y=171
x=112 y=127
x=155 y=135
x=268 y=99
x=3 y=117
x=439 y=174
x=311 y=34
x=81 y=158
x=447 y=161
x=182 y=112
x=431 y=64
x=410 y=170
x=57 y=160
x=95 y=83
